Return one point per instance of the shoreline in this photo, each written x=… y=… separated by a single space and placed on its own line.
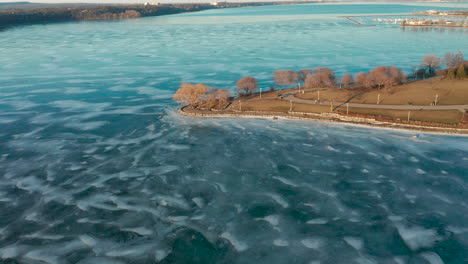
x=327 y=118
x=434 y=26
x=23 y=15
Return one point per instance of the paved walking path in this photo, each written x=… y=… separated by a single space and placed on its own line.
x=291 y=97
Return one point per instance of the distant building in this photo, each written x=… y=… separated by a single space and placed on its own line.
x=217 y=3
x=151 y=4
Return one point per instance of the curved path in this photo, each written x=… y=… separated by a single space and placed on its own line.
x=462 y=108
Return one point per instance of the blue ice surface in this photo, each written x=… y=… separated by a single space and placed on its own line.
x=97 y=166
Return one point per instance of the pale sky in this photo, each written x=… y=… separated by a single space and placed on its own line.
x=125 y=1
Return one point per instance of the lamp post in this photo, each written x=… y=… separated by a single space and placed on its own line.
x=290 y=105
x=260 y=92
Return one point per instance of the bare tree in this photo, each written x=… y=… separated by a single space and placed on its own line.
x=312 y=81
x=451 y=73
x=216 y=98
x=347 y=79
x=281 y=77
x=461 y=73
x=285 y=77
x=369 y=82
x=379 y=75
x=303 y=74
x=397 y=76
x=441 y=73
x=326 y=75
x=459 y=58
x=223 y=97
x=294 y=78
x=431 y=62
x=453 y=60
x=360 y=78
x=191 y=94
x=210 y=100
x=247 y=85
x=450 y=60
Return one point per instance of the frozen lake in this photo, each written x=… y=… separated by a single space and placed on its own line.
x=97 y=166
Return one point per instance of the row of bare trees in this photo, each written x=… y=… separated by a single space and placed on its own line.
x=202 y=96
x=431 y=63
x=381 y=76
x=325 y=77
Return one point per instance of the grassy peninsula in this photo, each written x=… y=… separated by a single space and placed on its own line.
x=429 y=99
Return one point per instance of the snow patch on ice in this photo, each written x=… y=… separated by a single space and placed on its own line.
x=85 y=126
x=280 y=243
x=330 y=148
x=417 y=237
x=139 y=230
x=238 y=245
x=278 y=199
x=419 y=171
x=355 y=242
x=285 y=181
x=317 y=221
x=272 y=219
x=432 y=257
x=313 y=243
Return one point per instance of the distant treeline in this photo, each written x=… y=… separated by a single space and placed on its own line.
x=18 y=15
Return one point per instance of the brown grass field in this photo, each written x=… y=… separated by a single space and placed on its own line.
x=277 y=105
x=450 y=92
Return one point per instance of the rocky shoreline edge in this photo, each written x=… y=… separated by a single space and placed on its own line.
x=325 y=117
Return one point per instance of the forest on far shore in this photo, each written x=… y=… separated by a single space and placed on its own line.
x=27 y=14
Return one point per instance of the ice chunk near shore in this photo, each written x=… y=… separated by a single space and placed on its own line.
x=272 y=219
x=280 y=243
x=417 y=237
x=42 y=256
x=238 y=245
x=363 y=260
x=330 y=148
x=355 y=242
x=419 y=171
x=432 y=257
x=313 y=243
x=130 y=251
x=100 y=260
x=88 y=240
x=161 y=254
x=278 y=199
x=317 y=221
x=285 y=181
x=198 y=201
x=11 y=251
x=139 y=230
